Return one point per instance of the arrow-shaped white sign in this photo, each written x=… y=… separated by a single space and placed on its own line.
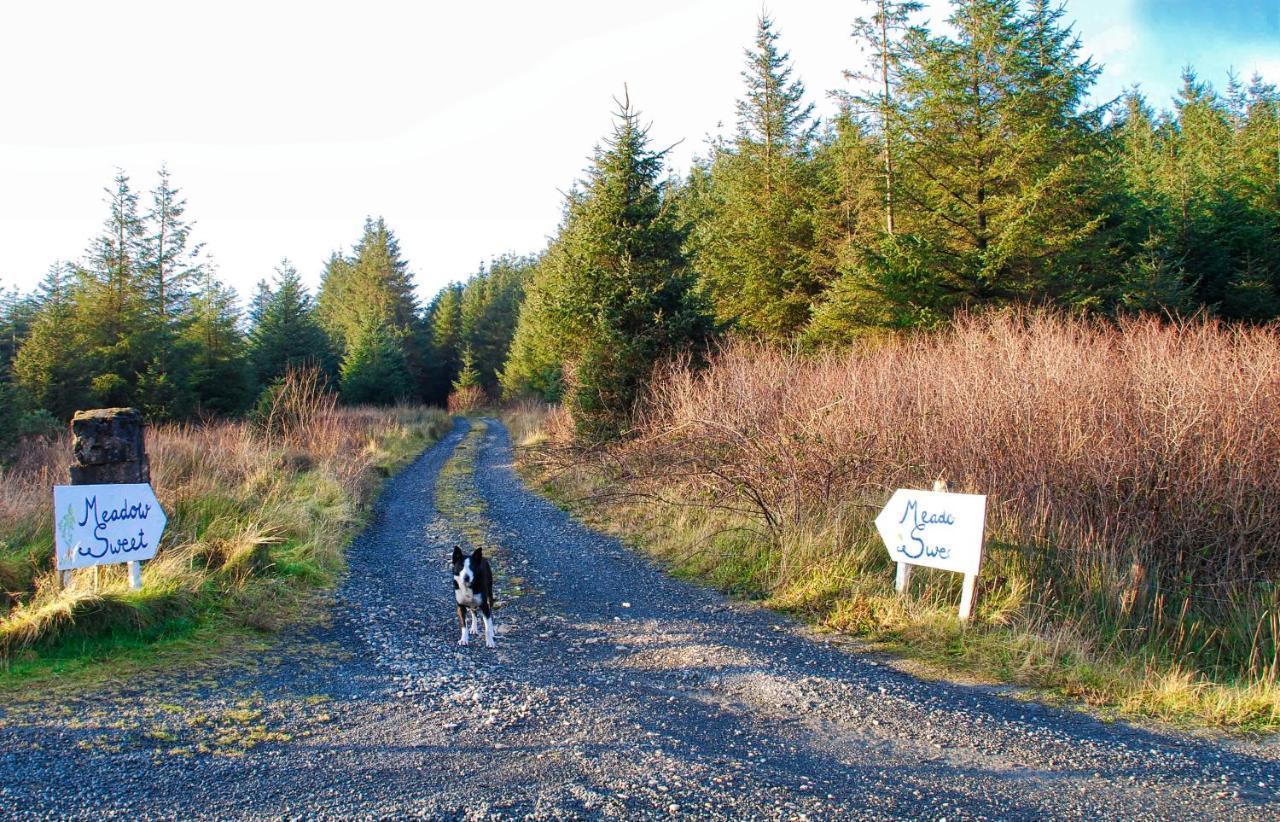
x=102 y=524
x=934 y=529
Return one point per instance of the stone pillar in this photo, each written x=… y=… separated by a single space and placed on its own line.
x=110 y=447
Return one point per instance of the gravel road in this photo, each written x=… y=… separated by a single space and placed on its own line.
x=614 y=691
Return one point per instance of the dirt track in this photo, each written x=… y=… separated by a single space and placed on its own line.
x=614 y=691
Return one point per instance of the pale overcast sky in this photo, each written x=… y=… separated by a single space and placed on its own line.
x=285 y=124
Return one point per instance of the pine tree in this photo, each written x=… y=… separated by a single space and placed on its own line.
x=880 y=35
x=444 y=322
x=220 y=370
x=754 y=246
x=489 y=305
x=534 y=363
x=1258 y=149
x=1254 y=292
x=19 y=415
x=120 y=336
x=467 y=394
x=51 y=364
x=1151 y=274
x=171 y=269
x=471 y=308
x=468 y=376
x=17 y=314
x=849 y=219
x=773 y=119
x=374 y=370
x=374 y=288
x=333 y=301
x=1224 y=231
x=380 y=278
x=613 y=294
x=1199 y=184
x=1199 y=208
x=1000 y=172
x=285 y=333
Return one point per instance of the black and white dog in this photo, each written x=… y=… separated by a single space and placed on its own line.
x=473 y=588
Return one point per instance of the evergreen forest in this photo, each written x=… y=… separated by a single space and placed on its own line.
x=964 y=170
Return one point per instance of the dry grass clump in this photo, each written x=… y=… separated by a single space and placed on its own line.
x=467 y=400
x=532 y=422
x=257 y=512
x=1130 y=468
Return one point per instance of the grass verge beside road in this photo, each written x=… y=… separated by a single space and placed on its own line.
x=259 y=515
x=855 y=596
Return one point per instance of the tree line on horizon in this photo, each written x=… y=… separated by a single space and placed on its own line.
x=142 y=320
x=967 y=171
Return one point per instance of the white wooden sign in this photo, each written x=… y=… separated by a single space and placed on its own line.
x=937 y=530
x=103 y=524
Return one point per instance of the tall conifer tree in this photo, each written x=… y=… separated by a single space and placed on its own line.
x=444 y=320
x=754 y=246
x=1000 y=173
x=880 y=36
x=373 y=288
x=613 y=295
x=220 y=374
x=110 y=307
x=285 y=333
x=171 y=264
x=50 y=365
x=374 y=370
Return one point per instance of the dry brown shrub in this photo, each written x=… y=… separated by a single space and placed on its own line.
x=1132 y=462
x=297 y=408
x=467 y=399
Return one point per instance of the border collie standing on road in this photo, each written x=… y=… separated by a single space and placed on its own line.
x=473 y=588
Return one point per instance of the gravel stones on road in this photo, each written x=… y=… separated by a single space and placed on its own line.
x=615 y=691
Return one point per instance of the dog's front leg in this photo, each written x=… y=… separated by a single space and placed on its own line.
x=488 y=631
x=462 y=621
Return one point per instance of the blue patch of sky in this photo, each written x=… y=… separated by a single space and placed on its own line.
x=1211 y=38
x=1243 y=19
x=1147 y=43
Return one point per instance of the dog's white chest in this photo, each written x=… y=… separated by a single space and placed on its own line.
x=468 y=597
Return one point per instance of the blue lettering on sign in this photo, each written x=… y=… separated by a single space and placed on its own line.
x=101 y=519
x=920 y=520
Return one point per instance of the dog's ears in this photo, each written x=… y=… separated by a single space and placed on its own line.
x=457 y=553
x=476 y=556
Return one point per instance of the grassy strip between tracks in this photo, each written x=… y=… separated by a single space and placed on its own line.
x=460 y=504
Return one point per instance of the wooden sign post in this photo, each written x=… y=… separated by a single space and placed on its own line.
x=108 y=513
x=935 y=529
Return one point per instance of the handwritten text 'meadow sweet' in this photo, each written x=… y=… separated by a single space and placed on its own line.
x=921 y=519
x=106 y=518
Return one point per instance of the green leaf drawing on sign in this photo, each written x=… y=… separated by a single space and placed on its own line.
x=67 y=528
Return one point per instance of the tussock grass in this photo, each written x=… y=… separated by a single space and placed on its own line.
x=1133 y=502
x=258 y=514
x=528 y=421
